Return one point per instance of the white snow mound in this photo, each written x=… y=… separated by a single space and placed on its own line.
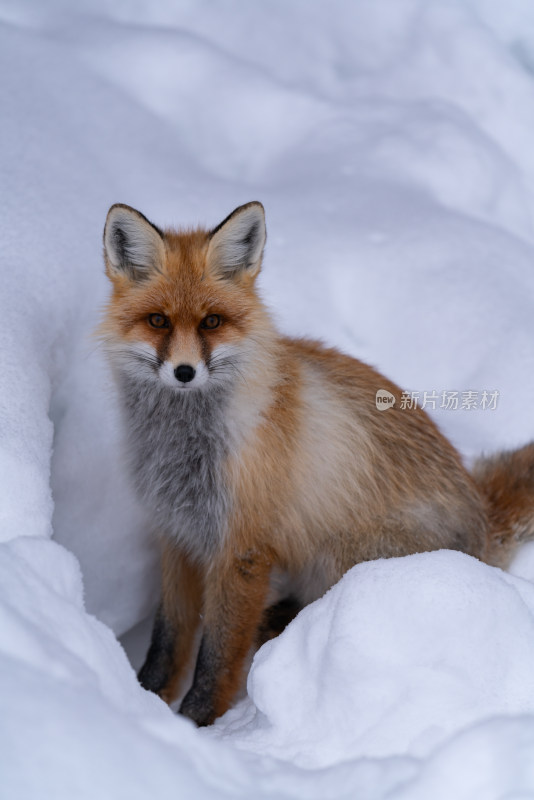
x=391 y=144
x=396 y=657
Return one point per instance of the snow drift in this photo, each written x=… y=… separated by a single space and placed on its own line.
x=390 y=143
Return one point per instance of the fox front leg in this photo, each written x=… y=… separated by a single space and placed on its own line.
x=177 y=621
x=234 y=602
x=158 y=668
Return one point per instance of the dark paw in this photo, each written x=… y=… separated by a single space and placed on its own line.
x=197 y=709
x=158 y=668
x=156 y=674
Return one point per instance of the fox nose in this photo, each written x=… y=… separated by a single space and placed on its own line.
x=184 y=373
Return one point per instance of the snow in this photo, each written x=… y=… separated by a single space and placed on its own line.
x=390 y=142
x=430 y=653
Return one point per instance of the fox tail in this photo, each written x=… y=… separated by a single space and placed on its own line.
x=506 y=481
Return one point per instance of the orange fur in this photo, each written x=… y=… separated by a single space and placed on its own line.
x=317 y=479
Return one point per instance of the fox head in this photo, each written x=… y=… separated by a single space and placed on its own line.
x=183 y=303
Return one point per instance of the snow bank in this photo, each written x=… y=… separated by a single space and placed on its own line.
x=391 y=145
x=438 y=652
x=79 y=725
x=424 y=692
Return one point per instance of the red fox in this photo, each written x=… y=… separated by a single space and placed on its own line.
x=263 y=461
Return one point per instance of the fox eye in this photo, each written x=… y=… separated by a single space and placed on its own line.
x=210 y=322
x=158 y=321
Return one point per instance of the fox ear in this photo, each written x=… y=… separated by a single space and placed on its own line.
x=132 y=245
x=236 y=245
